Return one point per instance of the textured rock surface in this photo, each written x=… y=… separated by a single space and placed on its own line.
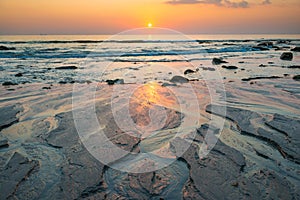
x=8 y=115
x=285 y=140
x=17 y=170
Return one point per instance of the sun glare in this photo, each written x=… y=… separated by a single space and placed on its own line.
x=149 y=25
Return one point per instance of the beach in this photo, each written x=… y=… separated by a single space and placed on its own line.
x=187 y=117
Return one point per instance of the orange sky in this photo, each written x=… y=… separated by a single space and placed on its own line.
x=110 y=17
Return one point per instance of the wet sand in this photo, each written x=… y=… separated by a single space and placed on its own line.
x=256 y=156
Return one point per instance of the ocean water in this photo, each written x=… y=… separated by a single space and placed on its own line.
x=99 y=57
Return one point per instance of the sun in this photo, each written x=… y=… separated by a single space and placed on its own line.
x=149 y=25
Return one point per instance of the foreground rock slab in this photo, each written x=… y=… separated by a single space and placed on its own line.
x=18 y=169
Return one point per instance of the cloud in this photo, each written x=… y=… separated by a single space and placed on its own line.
x=225 y=3
x=266 y=2
x=174 y=2
x=241 y=4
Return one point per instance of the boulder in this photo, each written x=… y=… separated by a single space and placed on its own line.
x=18 y=75
x=218 y=61
x=296 y=78
x=67 y=67
x=179 y=79
x=229 y=67
x=189 y=71
x=296 y=49
x=286 y=56
x=7 y=83
x=4 y=48
x=115 y=81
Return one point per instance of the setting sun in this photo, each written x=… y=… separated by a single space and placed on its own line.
x=149 y=25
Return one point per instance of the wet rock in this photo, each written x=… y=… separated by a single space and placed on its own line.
x=62 y=82
x=286 y=56
x=8 y=115
x=17 y=170
x=296 y=49
x=265 y=44
x=115 y=81
x=210 y=177
x=229 y=67
x=296 y=78
x=82 y=174
x=286 y=140
x=294 y=67
x=218 y=61
x=67 y=67
x=208 y=69
x=5 y=48
x=18 y=75
x=133 y=68
x=168 y=84
x=267 y=180
x=4 y=143
x=260 y=77
x=8 y=83
x=179 y=79
x=189 y=71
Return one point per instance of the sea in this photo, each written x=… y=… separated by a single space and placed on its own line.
x=46 y=58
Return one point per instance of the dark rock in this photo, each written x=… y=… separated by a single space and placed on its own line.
x=18 y=75
x=262 y=65
x=179 y=79
x=189 y=71
x=133 y=68
x=218 y=61
x=67 y=67
x=7 y=83
x=4 y=143
x=286 y=56
x=62 y=82
x=294 y=67
x=115 y=81
x=296 y=49
x=270 y=62
x=208 y=69
x=265 y=44
x=8 y=115
x=81 y=174
x=241 y=62
x=285 y=127
x=4 y=48
x=229 y=67
x=168 y=84
x=14 y=173
x=296 y=78
x=210 y=177
x=261 y=77
x=46 y=88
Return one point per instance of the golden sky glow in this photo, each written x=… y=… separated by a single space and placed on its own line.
x=110 y=17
